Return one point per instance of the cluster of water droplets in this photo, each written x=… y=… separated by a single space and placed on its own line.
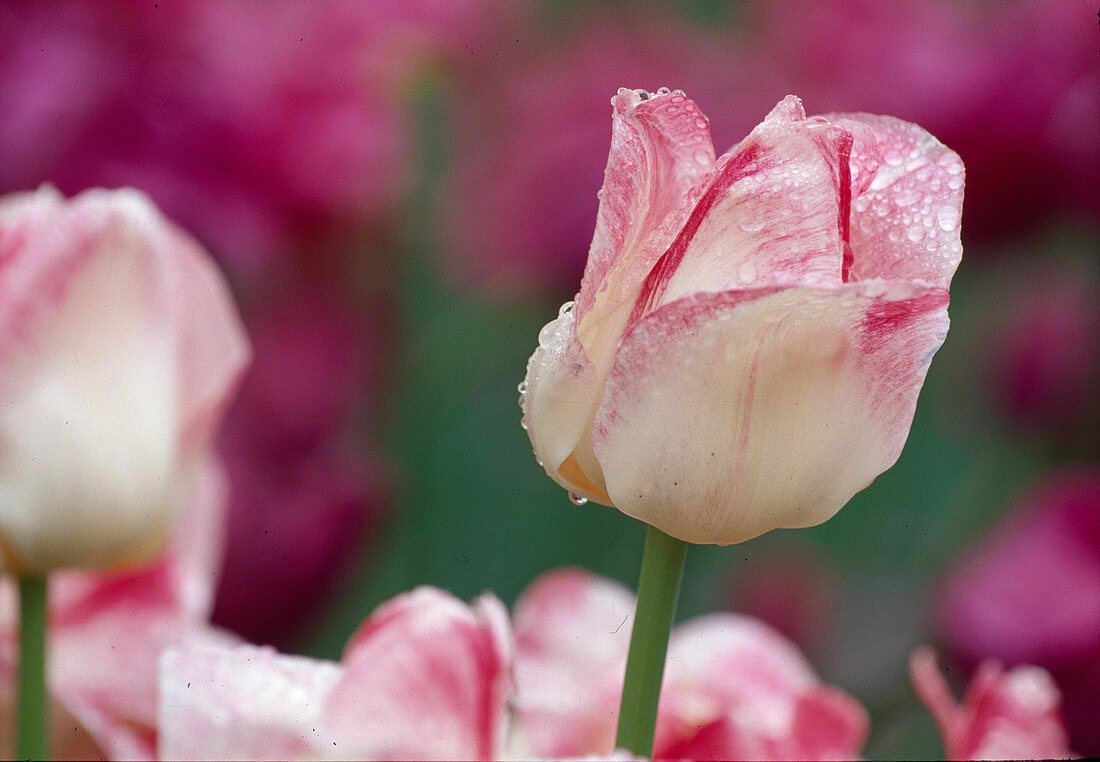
x=914 y=199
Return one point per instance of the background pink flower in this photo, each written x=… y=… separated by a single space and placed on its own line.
x=734 y=688
x=1009 y=714
x=1029 y=593
x=263 y=128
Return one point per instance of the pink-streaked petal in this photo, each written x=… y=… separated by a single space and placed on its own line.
x=660 y=147
x=246 y=702
x=778 y=203
x=426 y=677
x=905 y=221
x=572 y=634
x=724 y=413
x=1010 y=714
x=111 y=627
x=736 y=689
x=560 y=392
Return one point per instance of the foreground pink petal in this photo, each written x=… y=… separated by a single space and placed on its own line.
x=426 y=677
x=734 y=688
x=119 y=348
x=720 y=358
x=1010 y=714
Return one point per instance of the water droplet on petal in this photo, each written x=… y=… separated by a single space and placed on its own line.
x=565 y=308
x=947 y=218
x=576 y=499
x=746 y=273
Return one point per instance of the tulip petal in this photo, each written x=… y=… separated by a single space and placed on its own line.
x=426 y=677
x=247 y=702
x=778 y=203
x=727 y=415
x=660 y=147
x=572 y=633
x=907 y=204
x=740 y=690
x=560 y=395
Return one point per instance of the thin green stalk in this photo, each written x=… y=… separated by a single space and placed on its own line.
x=658 y=592
x=32 y=723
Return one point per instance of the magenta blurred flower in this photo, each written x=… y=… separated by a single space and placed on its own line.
x=1030 y=594
x=425 y=677
x=1046 y=364
x=1013 y=87
x=743 y=321
x=734 y=688
x=1004 y=715
x=261 y=126
x=792 y=590
x=303 y=495
x=120 y=346
x=107 y=631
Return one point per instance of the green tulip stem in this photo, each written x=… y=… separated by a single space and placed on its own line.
x=658 y=592
x=31 y=720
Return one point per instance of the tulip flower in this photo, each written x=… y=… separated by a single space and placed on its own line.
x=751 y=333
x=736 y=689
x=1010 y=714
x=119 y=347
x=425 y=677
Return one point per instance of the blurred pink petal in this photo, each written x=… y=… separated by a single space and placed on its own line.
x=425 y=677
x=734 y=688
x=1005 y=714
x=264 y=127
x=1030 y=593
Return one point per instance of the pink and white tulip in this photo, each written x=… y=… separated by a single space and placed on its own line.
x=751 y=333
x=119 y=348
x=425 y=677
x=734 y=688
x=1010 y=714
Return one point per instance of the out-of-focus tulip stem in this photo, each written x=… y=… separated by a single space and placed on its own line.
x=31 y=719
x=658 y=593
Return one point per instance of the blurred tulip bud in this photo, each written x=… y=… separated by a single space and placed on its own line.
x=1006 y=714
x=119 y=348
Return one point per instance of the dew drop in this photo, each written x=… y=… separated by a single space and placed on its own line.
x=907 y=197
x=546 y=335
x=522 y=388
x=746 y=273
x=576 y=499
x=663 y=91
x=702 y=157
x=947 y=218
x=916 y=234
x=565 y=309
